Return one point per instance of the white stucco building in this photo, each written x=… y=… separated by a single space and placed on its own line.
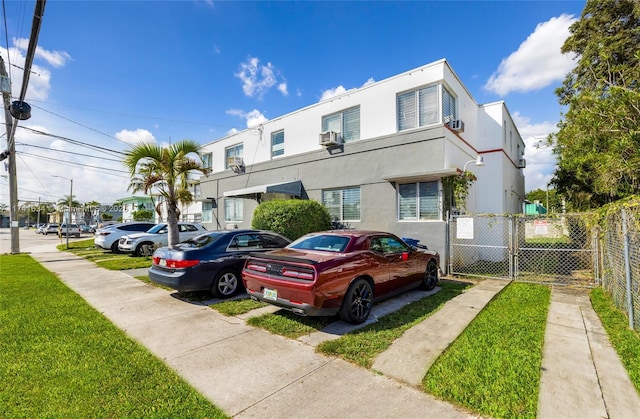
x=375 y=156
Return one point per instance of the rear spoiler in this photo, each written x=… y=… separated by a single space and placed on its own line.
x=282 y=258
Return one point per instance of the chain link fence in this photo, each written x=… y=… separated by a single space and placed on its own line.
x=559 y=249
x=620 y=261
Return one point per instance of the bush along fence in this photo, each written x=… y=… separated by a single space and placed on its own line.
x=587 y=249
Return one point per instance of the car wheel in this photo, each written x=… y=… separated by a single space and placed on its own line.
x=226 y=284
x=114 y=247
x=144 y=249
x=430 y=276
x=357 y=302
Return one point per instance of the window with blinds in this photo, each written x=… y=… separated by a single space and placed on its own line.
x=418 y=201
x=207 y=160
x=277 y=143
x=233 y=210
x=420 y=107
x=346 y=122
x=342 y=204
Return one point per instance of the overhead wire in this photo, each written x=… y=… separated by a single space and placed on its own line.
x=67 y=152
x=77 y=164
x=76 y=142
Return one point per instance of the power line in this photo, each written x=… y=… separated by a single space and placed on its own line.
x=76 y=142
x=68 y=152
x=76 y=164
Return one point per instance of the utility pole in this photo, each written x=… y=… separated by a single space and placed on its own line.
x=13 y=181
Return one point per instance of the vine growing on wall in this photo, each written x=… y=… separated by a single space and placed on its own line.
x=457 y=187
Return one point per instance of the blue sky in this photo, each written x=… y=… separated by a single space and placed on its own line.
x=113 y=73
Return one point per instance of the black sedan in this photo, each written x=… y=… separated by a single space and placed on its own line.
x=212 y=261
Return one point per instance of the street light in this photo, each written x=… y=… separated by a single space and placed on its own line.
x=479 y=161
x=70 y=203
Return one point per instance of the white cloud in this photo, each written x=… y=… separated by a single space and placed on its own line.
x=329 y=93
x=253 y=118
x=258 y=79
x=538 y=61
x=40 y=77
x=134 y=137
x=541 y=162
x=369 y=81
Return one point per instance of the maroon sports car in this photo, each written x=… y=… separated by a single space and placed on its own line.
x=342 y=272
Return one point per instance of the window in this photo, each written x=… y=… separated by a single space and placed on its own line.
x=418 y=201
x=346 y=122
x=207 y=160
x=277 y=143
x=387 y=245
x=343 y=204
x=420 y=107
x=233 y=151
x=207 y=211
x=233 y=210
x=196 y=191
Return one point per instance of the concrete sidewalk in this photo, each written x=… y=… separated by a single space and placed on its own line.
x=249 y=372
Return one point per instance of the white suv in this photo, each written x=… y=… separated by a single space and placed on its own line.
x=107 y=237
x=72 y=229
x=143 y=244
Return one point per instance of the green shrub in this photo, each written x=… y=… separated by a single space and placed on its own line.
x=291 y=218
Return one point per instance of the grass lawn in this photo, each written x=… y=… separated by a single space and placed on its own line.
x=105 y=258
x=237 y=307
x=494 y=365
x=61 y=358
x=362 y=346
x=625 y=341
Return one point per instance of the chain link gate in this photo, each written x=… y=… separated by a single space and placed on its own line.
x=555 y=249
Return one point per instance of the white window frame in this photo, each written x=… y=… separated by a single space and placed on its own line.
x=232 y=151
x=233 y=210
x=346 y=122
x=277 y=150
x=427 y=105
x=417 y=215
x=207 y=160
x=340 y=206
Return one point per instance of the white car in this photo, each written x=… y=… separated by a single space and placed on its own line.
x=107 y=237
x=73 y=229
x=143 y=244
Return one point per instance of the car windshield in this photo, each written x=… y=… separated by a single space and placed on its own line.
x=201 y=240
x=329 y=243
x=158 y=229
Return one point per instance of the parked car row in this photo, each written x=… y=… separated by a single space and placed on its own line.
x=320 y=274
x=55 y=228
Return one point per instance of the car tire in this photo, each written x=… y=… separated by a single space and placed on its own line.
x=114 y=247
x=430 y=276
x=226 y=284
x=144 y=249
x=357 y=302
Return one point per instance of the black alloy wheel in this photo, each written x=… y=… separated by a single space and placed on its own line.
x=226 y=284
x=114 y=247
x=357 y=302
x=430 y=276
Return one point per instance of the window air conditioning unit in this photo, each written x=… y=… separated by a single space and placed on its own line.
x=522 y=163
x=235 y=163
x=457 y=125
x=330 y=138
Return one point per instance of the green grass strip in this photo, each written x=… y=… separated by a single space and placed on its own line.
x=105 y=258
x=625 y=341
x=62 y=359
x=290 y=325
x=363 y=346
x=494 y=365
x=237 y=307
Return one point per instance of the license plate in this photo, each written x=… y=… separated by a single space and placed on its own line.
x=270 y=294
x=162 y=262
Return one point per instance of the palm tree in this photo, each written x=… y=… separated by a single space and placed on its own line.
x=165 y=169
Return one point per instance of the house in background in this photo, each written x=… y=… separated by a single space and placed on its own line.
x=375 y=156
x=135 y=203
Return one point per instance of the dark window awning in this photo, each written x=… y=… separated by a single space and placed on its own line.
x=293 y=188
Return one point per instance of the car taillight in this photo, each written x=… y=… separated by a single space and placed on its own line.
x=174 y=264
x=295 y=273
x=257 y=267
